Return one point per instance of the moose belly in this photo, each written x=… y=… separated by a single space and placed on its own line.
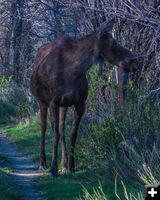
x=68 y=99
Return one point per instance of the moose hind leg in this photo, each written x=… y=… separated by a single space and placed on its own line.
x=43 y=114
x=79 y=111
x=62 y=116
x=54 y=111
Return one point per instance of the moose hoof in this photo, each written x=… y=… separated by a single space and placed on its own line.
x=42 y=166
x=65 y=171
x=43 y=163
x=71 y=169
x=53 y=175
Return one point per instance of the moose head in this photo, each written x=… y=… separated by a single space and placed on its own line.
x=110 y=50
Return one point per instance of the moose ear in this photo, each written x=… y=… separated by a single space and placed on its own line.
x=106 y=27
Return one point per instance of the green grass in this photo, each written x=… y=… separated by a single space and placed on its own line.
x=8 y=189
x=27 y=137
x=72 y=186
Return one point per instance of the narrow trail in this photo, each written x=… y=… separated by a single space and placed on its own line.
x=24 y=171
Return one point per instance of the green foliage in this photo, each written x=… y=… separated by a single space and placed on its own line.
x=94 y=80
x=123 y=141
x=14 y=103
x=6 y=111
x=97 y=194
x=4 y=82
x=22 y=110
x=95 y=147
x=126 y=138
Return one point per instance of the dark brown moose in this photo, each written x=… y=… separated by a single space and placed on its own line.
x=59 y=81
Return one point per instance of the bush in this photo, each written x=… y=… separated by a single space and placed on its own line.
x=4 y=82
x=14 y=101
x=22 y=110
x=6 y=111
x=125 y=141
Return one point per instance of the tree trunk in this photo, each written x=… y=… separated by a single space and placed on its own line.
x=17 y=12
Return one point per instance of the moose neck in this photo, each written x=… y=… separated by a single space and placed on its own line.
x=88 y=52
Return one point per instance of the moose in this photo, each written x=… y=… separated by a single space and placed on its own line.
x=59 y=81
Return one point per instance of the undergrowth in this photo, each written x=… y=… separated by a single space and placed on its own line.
x=123 y=143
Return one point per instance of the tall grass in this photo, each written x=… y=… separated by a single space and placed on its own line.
x=98 y=194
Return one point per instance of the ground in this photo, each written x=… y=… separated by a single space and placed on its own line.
x=26 y=136
x=22 y=170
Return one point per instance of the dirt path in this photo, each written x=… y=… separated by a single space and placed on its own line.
x=23 y=169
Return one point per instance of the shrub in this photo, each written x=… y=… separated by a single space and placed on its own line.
x=4 y=82
x=22 y=110
x=125 y=141
x=14 y=101
x=6 y=111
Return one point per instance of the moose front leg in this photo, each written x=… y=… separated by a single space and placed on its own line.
x=54 y=111
x=43 y=114
x=79 y=111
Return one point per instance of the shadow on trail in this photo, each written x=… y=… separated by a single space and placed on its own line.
x=23 y=170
